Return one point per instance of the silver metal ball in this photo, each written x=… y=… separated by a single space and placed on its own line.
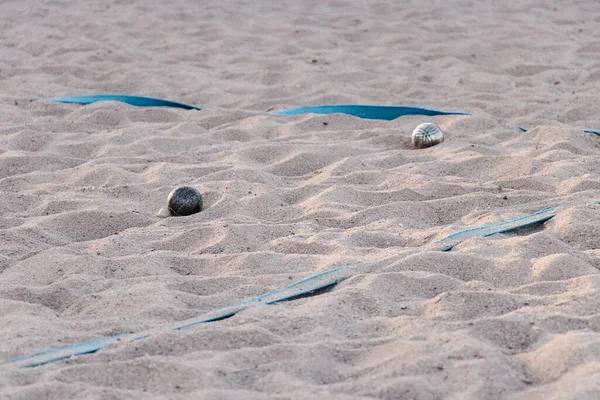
x=185 y=200
x=427 y=135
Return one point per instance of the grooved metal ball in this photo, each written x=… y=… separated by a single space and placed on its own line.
x=184 y=200
x=427 y=135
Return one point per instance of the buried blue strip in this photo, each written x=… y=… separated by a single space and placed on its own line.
x=310 y=280
x=205 y=320
x=285 y=297
x=503 y=223
x=532 y=222
x=366 y=111
x=304 y=287
x=537 y=217
x=303 y=293
x=137 y=101
x=594 y=131
x=52 y=355
x=369 y=111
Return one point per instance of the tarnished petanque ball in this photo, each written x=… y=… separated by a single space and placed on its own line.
x=427 y=135
x=185 y=200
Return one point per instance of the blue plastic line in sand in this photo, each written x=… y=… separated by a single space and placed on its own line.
x=537 y=217
x=365 y=111
x=506 y=226
x=137 y=101
x=48 y=356
x=387 y=113
x=596 y=132
x=301 y=288
x=304 y=287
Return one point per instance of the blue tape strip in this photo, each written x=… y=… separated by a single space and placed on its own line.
x=132 y=100
x=298 y=285
x=366 y=111
x=300 y=288
x=595 y=132
x=53 y=355
x=303 y=287
x=306 y=286
x=585 y=130
x=537 y=217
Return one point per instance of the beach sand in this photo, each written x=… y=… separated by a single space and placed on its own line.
x=83 y=253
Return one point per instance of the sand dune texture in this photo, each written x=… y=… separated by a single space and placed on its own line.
x=83 y=253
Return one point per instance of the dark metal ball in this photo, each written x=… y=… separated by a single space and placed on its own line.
x=185 y=200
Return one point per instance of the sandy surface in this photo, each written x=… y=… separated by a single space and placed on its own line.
x=83 y=253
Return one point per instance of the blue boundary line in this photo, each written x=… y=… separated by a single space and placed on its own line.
x=306 y=286
x=365 y=111
x=138 y=101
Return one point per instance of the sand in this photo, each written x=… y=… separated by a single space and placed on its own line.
x=83 y=253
